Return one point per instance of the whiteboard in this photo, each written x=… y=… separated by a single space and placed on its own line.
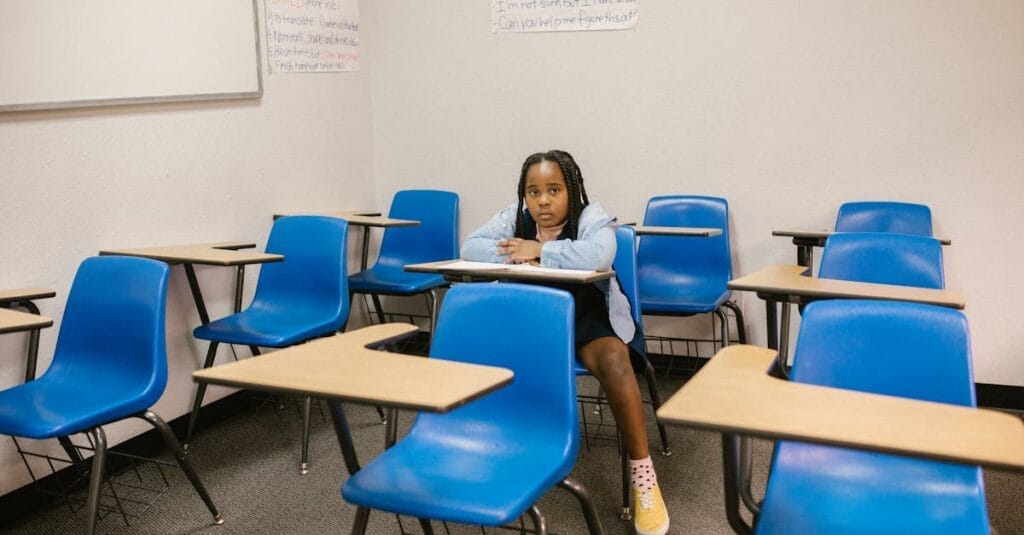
x=75 y=53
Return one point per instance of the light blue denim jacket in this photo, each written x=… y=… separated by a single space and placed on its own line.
x=594 y=249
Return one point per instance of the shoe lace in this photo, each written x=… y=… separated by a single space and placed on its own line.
x=646 y=499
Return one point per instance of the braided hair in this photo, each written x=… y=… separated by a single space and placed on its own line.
x=574 y=187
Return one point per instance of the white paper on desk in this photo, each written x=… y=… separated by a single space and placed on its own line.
x=530 y=268
x=467 y=265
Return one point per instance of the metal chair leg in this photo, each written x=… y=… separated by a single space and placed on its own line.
x=391 y=430
x=179 y=454
x=378 y=307
x=586 y=504
x=99 y=459
x=540 y=525
x=425 y=525
x=211 y=354
x=304 y=462
x=723 y=328
x=361 y=520
x=434 y=300
x=652 y=387
x=740 y=327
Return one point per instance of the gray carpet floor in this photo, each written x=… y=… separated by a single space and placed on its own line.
x=249 y=464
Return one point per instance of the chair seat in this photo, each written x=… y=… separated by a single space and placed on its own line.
x=698 y=301
x=389 y=280
x=822 y=489
x=487 y=481
x=52 y=407
x=270 y=327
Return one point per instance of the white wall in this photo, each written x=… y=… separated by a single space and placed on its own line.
x=786 y=108
x=74 y=182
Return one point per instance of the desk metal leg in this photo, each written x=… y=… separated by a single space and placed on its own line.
x=784 y=337
x=771 y=323
x=33 y=355
x=31 y=360
x=348 y=453
x=341 y=429
x=805 y=256
x=366 y=248
x=197 y=294
x=239 y=284
x=731 y=479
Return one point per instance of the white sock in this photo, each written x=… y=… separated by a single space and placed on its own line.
x=641 y=473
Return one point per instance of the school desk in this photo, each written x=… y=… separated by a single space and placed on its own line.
x=209 y=254
x=733 y=395
x=344 y=368
x=468 y=271
x=366 y=220
x=789 y=284
x=807 y=240
x=14 y=321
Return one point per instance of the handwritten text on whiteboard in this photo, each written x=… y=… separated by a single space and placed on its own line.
x=562 y=15
x=312 y=35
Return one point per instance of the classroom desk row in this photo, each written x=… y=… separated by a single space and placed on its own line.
x=732 y=394
x=806 y=240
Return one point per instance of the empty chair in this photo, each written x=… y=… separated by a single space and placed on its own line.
x=890 y=348
x=881 y=258
x=488 y=462
x=624 y=266
x=884 y=216
x=301 y=298
x=436 y=238
x=683 y=276
x=110 y=363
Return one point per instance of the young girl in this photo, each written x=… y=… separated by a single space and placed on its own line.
x=554 y=225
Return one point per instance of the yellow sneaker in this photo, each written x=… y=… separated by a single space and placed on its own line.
x=650 y=517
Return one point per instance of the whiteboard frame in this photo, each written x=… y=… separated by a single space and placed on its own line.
x=123 y=101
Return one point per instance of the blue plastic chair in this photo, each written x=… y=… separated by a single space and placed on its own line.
x=487 y=462
x=625 y=265
x=686 y=276
x=891 y=348
x=436 y=238
x=883 y=216
x=881 y=258
x=110 y=363
x=301 y=298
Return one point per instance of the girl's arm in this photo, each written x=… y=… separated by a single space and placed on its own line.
x=482 y=244
x=594 y=250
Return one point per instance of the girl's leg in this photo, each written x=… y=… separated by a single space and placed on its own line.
x=607 y=358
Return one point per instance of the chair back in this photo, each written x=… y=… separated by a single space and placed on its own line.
x=884 y=216
x=530 y=330
x=668 y=263
x=313 y=275
x=436 y=237
x=884 y=259
x=112 y=335
x=625 y=266
x=886 y=347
